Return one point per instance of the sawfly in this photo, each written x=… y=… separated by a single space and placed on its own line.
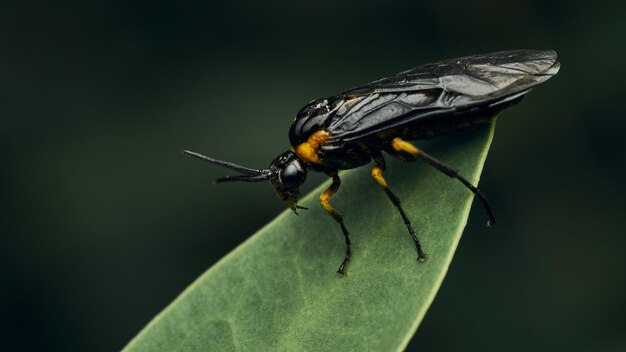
x=360 y=125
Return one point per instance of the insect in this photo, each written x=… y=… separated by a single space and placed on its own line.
x=354 y=128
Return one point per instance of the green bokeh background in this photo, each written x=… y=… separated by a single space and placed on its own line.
x=103 y=221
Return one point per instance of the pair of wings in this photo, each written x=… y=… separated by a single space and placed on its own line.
x=447 y=88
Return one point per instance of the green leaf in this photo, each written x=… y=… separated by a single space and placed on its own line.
x=279 y=291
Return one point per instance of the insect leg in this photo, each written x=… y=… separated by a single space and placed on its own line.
x=325 y=198
x=377 y=174
x=400 y=145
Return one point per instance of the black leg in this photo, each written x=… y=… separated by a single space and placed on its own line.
x=400 y=145
x=325 y=198
x=377 y=174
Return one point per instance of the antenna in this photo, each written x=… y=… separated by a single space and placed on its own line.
x=228 y=164
x=249 y=175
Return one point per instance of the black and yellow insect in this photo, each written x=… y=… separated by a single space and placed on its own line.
x=353 y=128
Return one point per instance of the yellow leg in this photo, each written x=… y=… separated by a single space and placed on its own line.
x=377 y=174
x=402 y=146
x=325 y=198
x=327 y=195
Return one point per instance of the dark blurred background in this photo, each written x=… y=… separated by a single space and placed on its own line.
x=103 y=221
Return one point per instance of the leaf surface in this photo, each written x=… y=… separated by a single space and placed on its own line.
x=278 y=291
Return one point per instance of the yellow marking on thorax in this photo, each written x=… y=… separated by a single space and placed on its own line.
x=308 y=151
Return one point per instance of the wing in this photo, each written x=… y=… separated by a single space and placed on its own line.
x=444 y=88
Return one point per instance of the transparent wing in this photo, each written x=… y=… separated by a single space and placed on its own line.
x=444 y=88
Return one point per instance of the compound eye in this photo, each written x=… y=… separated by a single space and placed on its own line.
x=292 y=176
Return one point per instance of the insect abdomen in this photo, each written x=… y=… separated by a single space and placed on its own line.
x=436 y=126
